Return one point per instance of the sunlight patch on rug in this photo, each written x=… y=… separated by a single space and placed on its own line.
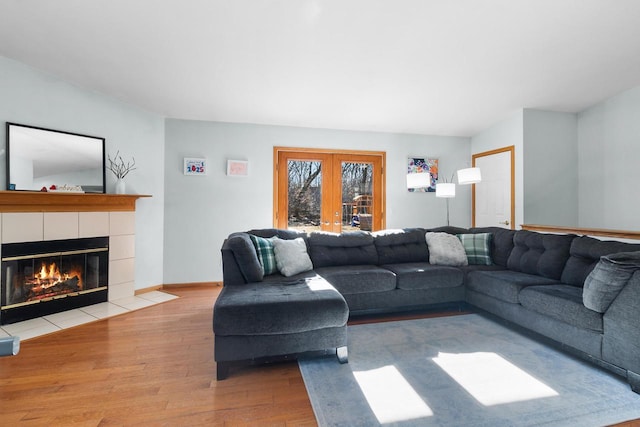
x=390 y=396
x=491 y=379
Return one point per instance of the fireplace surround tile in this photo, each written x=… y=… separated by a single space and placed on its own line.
x=120 y=290
x=69 y=318
x=134 y=303
x=104 y=310
x=93 y=224
x=122 y=247
x=60 y=225
x=121 y=271
x=22 y=227
x=122 y=223
x=30 y=328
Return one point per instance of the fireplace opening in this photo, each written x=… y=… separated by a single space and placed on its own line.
x=41 y=278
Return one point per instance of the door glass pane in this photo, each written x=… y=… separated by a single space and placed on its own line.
x=305 y=195
x=357 y=196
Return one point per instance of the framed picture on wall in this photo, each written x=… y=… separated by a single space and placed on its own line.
x=194 y=166
x=237 y=168
x=422 y=174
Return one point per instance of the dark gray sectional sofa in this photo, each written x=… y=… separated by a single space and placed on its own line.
x=535 y=281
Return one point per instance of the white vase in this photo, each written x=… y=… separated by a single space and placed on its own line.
x=120 y=186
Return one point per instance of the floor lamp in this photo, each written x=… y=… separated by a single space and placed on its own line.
x=447 y=190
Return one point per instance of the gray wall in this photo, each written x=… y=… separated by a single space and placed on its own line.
x=31 y=97
x=200 y=211
x=609 y=163
x=550 y=168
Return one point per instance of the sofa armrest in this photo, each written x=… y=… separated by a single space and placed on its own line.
x=621 y=342
x=240 y=261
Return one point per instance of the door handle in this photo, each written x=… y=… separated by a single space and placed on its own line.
x=336 y=223
x=505 y=222
x=327 y=223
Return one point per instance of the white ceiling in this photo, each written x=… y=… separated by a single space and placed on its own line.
x=440 y=67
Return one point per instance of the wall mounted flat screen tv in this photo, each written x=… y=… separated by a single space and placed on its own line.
x=41 y=158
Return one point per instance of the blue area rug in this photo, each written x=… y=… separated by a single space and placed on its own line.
x=462 y=370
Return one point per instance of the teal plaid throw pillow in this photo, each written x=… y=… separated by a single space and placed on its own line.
x=478 y=248
x=266 y=256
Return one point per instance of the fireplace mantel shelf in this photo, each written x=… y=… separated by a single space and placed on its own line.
x=36 y=201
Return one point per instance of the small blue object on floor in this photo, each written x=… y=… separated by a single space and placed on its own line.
x=461 y=371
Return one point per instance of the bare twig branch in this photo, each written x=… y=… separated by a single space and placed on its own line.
x=118 y=166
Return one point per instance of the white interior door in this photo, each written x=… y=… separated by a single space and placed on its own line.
x=493 y=197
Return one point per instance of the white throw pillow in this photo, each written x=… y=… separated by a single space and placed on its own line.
x=445 y=249
x=291 y=256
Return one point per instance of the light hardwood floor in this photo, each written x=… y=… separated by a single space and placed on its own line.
x=151 y=367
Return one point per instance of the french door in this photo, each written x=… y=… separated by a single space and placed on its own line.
x=328 y=190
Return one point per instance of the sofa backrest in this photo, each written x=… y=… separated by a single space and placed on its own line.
x=348 y=248
x=397 y=246
x=541 y=254
x=501 y=243
x=240 y=262
x=585 y=252
x=281 y=233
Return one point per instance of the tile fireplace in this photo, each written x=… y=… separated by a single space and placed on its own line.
x=37 y=217
x=45 y=277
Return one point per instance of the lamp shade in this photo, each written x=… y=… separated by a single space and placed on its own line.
x=418 y=180
x=469 y=176
x=445 y=189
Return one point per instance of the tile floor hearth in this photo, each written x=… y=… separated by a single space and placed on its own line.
x=56 y=322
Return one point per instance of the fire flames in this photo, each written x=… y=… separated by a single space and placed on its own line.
x=50 y=276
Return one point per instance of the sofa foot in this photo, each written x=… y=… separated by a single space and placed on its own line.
x=343 y=354
x=222 y=371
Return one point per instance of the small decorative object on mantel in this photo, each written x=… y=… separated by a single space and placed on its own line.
x=120 y=169
x=66 y=188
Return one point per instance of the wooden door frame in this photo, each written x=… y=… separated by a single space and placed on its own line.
x=379 y=180
x=510 y=149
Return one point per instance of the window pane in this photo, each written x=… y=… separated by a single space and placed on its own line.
x=357 y=196
x=305 y=195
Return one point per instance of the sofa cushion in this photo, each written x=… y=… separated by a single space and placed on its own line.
x=477 y=246
x=607 y=279
x=445 y=249
x=504 y=285
x=541 y=254
x=561 y=302
x=279 y=308
x=396 y=246
x=422 y=275
x=266 y=256
x=349 y=248
x=501 y=243
x=359 y=279
x=585 y=252
x=291 y=256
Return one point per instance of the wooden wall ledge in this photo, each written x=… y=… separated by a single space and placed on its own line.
x=603 y=232
x=36 y=201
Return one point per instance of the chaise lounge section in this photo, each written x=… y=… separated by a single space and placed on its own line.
x=530 y=279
